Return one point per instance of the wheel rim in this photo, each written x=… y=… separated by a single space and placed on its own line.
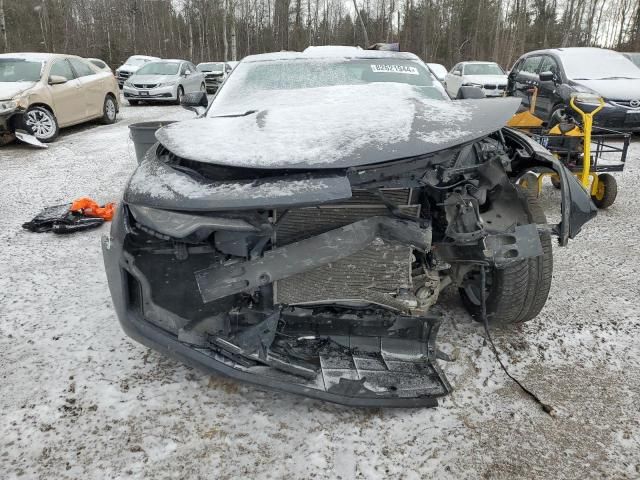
x=472 y=287
x=202 y=87
x=600 y=190
x=110 y=109
x=42 y=124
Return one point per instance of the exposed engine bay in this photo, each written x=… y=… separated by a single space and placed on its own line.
x=327 y=292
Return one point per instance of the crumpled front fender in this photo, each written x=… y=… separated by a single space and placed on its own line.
x=577 y=207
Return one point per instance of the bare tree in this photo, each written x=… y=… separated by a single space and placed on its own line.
x=3 y=27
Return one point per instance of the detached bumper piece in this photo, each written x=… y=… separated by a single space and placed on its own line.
x=358 y=359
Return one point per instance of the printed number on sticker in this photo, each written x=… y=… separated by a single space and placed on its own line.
x=395 y=69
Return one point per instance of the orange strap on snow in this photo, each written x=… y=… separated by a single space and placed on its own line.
x=90 y=208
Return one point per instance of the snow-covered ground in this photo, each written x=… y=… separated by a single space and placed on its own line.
x=78 y=399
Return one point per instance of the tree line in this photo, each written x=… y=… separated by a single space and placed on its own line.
x=442 y=31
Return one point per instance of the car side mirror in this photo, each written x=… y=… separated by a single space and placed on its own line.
x=468 y=92
x=57 y=79
x=195 y=102
x=457 y=73
x=547 y=76
x=187 y=73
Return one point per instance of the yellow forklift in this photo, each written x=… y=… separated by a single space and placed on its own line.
x=583 y=148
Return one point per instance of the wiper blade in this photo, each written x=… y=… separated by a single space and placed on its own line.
x=231 y=115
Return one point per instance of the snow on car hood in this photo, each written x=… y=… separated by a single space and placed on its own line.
x=8 y=90
x=129 y=68
x=343 y=126
x=618 y=89
x=482 y=79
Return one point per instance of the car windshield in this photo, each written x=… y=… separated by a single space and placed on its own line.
x=209 y=67
x=634 y=57
x=257 y=81
x=19 y=70
x=136 y=62
x=483 y=69
x=597 y=65
x=159 y=68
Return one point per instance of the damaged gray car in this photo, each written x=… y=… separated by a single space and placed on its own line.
x=297 y=234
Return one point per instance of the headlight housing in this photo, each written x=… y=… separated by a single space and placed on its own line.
x=585 y=98
x=7 y=106
x=127 y=83
x=166 y=84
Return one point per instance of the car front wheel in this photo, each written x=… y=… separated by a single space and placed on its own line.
x=518 y=292
x=109 y=110
x=42 y=123
x=179 y=94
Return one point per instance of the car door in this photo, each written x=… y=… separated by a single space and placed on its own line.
x=525 y=79
x=67 y=97
x=453 y=80
x=187 y=77
x=92 y=85
x=547 y=89
x=195 y=77
x=185 y=81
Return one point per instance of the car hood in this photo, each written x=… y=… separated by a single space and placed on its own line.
x=618 y=89
x=9 y=90
x=128 y=68
x=152 y=78
x=345 y=126
x=482 y=79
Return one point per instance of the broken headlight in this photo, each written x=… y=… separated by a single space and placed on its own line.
x=7 y=106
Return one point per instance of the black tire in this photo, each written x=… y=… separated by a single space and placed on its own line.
x=42 y=123
x=109 y=110
x=607 y=191
x=518 y=292
x=529 y=182
x=555 y=181
x=179 y=94
x=133 y=103
x=558 y=115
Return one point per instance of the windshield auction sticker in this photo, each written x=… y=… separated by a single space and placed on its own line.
x=395 y=69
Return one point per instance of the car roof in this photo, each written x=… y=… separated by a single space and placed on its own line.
x=145 y=57
x=478 y=62
x=568 y=51
x=37 y=56
x=329 y=52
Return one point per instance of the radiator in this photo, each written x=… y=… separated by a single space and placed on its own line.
x=373 y=275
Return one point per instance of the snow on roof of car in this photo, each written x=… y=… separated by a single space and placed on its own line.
x=145 y=56
x=330 y=52
x=479 y=62
x=34 y=56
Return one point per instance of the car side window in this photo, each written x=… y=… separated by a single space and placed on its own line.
x=530 y=64
x=457 y=68
x=99 y=64
x=192 y=67
x=81 y=68
x=549 y=65
x=516 y=67
x=183 y=69
x=62 y=68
